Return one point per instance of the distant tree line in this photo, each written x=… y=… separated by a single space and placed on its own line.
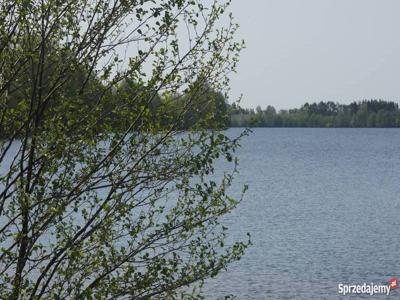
x=126 y=100
x=366 y=113
x=210 y=108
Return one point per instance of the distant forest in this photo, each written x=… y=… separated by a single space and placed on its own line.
x=209 y=108
x=366 y=113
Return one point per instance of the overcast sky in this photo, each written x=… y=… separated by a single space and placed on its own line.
x=313 y=50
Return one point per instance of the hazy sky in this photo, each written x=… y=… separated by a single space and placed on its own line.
x=312 y=50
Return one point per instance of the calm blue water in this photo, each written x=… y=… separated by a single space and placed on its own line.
x=323 y=208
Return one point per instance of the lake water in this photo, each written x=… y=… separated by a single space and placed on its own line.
x=323 y=208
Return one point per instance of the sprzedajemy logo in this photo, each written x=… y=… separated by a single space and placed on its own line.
x=367 y=288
